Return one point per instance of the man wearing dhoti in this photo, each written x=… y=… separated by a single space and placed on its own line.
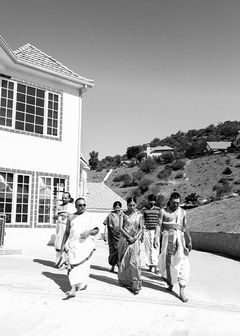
x=173 y=259
x=80 y=246
x=64 y=210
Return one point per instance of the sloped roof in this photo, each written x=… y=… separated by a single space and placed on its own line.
x=100 y=196
x=161 y=148
x=29 y=54
x=219 y=145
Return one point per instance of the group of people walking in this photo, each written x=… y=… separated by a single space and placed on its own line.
x=163 y=233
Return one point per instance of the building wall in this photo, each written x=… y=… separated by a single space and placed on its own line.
x=41 y=155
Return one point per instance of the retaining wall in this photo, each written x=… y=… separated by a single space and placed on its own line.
x=224 y=243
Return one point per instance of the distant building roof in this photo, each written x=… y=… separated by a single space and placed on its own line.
x=159 y=149
x=100 y=196
x=220 y=145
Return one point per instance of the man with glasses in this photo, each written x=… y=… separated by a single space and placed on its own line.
x=80 y=245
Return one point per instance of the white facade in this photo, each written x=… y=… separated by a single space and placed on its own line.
x=40 y=135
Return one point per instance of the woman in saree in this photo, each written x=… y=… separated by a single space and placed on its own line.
x=129 y=271
x=79 y=243
x=112 y=233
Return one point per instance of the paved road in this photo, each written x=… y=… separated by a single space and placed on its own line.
x=31 y=292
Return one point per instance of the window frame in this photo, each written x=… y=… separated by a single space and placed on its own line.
x=47 y=93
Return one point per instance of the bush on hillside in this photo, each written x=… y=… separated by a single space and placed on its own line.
x=223 y=180
x=148 y=165
x=238 y=156
x=237 y=165
x=227 y=171
x=237 y=182
x=136 y=192
x=178 y=165
x=164 y=173
x=127 y=181
x=178 y=175
x=167 y=158
x=223 y=188
x=144 y=184
x=192 y=198
x=138 y=175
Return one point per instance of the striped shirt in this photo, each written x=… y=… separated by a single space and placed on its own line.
x=151 y=217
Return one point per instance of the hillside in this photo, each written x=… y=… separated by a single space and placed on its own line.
x=219 y=216
x=199 y=176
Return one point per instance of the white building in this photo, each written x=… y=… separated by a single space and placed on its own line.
x=40 y=135
x=158 y=151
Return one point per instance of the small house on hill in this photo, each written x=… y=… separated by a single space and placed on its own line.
x=158 y=151
x=100 y=199
x=219 y=146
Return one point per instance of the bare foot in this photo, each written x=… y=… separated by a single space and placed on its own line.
x=182 y=296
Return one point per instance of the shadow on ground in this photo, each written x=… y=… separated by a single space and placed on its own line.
x=60 y=279
x=45 y=262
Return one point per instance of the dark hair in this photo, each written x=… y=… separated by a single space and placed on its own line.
x=79 y=198
x=152 y=197
x=117 y=203
x=175 y=195
x=131 y=199
x=67 y=192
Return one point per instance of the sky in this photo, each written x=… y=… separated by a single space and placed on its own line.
x=159 y=66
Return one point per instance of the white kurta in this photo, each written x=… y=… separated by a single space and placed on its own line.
x=80 y=249
x=173 y=263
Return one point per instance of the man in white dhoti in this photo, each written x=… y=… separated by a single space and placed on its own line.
x=63 y=212
x=80 y=246
x=173 y=259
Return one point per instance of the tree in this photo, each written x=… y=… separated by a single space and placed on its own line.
x=93 y=161
x=134 y=151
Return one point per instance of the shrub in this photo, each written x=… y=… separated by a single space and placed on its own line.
x=228 y=160
x=178 y=175
x=192 y=198
x=136 y=192
x=237 y=182
x=227 y=171
x=148 y=165
x=178 y=164
x=223 y=180
x=167 y=157
x=238 y=156
x=127 y=181
x=165 y=173
x=138 y=175
x=222 y=189
x=144 y=185
x=237 y=165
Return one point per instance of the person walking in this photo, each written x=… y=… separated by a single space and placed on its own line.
x=79 y=243
x=151 y=216
x=173 y=260
x=112 y=233
x=129 y=271
x=64 y=210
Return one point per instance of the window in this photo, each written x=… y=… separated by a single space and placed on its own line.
x=30 y=109
x=50 y=192
x=15 y=197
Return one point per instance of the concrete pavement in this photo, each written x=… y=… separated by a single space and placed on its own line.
x=31 y=292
